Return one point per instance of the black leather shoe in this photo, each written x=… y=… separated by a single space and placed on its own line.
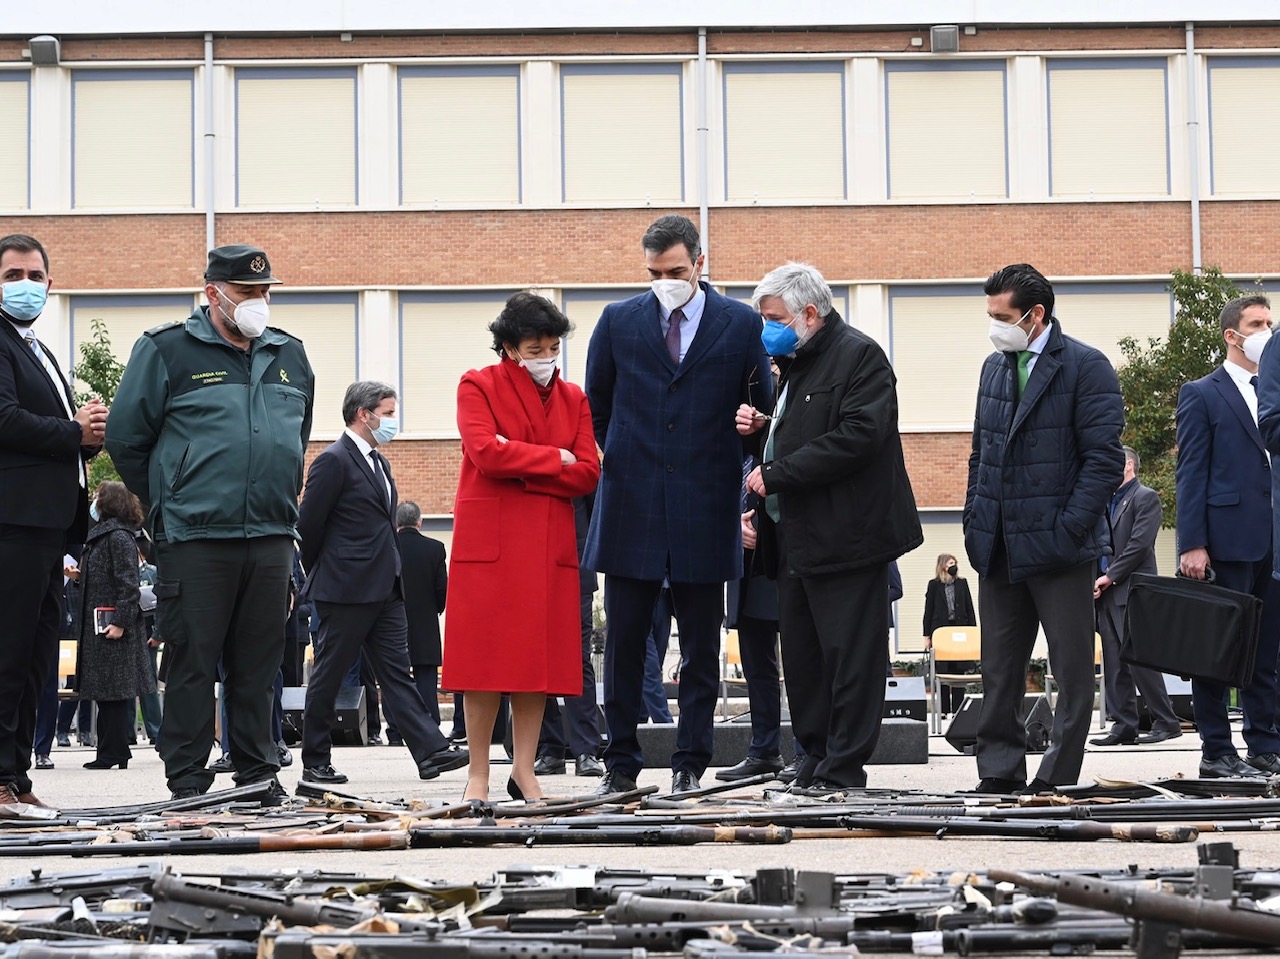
x=322 y=774
x=548 y=766
x=613 y=782
x=375 y=740
x=394 y=740
x=442 y=760
x=283 y=755
x=820 y=787
x=995 y=786
x=44 y=762
x=223 y=765
x=1227 y=767
x=588 y=765
x=1269 y=763
x=1038 y=786
x=1116 y=737
x=683 y=781
x=1158 y=736
x=186 y=792
x=751 y=766
x=788 y=772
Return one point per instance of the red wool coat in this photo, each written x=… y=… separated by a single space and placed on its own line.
x=512 y=622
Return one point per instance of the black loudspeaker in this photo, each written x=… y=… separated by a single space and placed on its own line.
x=963 y=731
x=348 y=727
x=1179 y=696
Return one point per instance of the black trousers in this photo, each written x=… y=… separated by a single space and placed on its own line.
x=835 y=649
x=229 y=599
x=381 y=632
x=758 y=646
x=115 y=727
x=699 y=610
x=31 y=597
x=425 y=677
x=1124 y=680
x=1061 y=601
x=581 y=713
x=1258 y=698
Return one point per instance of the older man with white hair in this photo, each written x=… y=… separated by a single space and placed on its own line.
x=839 y=510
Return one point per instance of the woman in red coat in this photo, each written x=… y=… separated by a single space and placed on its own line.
x=513 y=612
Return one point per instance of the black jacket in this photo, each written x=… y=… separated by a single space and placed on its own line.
x=40 y=449
x=1042 y=470
x=837 y=467
x=349 y=546
x=426 y=582
x=935 y=606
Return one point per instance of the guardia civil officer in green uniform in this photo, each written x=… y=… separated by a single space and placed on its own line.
x=214 y=417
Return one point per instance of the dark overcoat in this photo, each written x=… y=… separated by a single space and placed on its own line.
x=112 y=669
x=668 y=498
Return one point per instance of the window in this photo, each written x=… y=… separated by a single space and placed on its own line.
x=1101 y=314
x=1244 y=125
x=938 y=337
x=125 y=319
x=946 y=130
x=1108 y=127
x=15 y=147
x=295 y=137
x=133 y=141
x=623 y=133
x=583 y=308
x=442 y=335
x=328 y=325
x=460 y=135
x=784 y=132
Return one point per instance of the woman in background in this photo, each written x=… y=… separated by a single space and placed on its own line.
x=113 y=666
x=513 y=624
x=947 y=603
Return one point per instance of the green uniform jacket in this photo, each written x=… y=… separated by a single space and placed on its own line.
x=211 y=438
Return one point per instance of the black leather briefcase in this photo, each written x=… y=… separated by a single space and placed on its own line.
x=1191 y=628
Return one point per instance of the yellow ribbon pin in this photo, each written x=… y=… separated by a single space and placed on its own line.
x=284 y=377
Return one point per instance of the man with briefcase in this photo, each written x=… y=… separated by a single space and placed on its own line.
x=1224 y=523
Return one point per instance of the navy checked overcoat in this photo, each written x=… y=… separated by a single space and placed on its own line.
x=668 y=497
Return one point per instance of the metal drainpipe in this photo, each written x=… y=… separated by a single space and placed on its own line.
x=209 y=234
x=702 y=149
x=1193 y=148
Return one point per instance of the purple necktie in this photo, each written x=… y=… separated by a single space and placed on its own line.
x=673 y=335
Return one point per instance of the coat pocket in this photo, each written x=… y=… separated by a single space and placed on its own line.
x=168 y=614
x=477 y=526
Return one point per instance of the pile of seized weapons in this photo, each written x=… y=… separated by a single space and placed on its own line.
x=149 y=910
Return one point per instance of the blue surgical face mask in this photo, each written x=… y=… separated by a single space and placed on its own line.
x=386 y=430
x=23 y=299
x=93 y=511
x=779 y=338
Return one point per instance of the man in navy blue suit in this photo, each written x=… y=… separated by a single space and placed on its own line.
x=1224 y=524
x=666 y=371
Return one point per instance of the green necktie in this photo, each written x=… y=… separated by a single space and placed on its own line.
x=1024 y=371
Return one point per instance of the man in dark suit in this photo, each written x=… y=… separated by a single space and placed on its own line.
x=1046 y=458
x=1224 y=524
x=1135 y=520
x=581 y=714
x=665 y=373
x=426 y=583
x=44 y=441
x=353 y=565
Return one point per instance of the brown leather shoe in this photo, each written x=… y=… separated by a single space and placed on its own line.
x=31 y=800
x=7 y=796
